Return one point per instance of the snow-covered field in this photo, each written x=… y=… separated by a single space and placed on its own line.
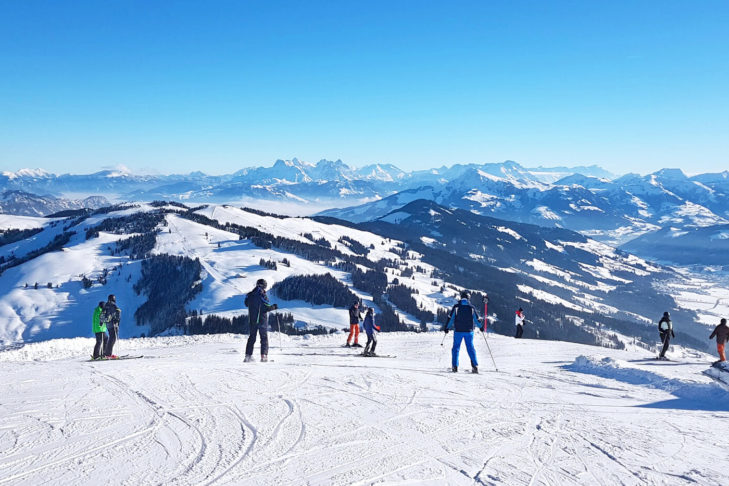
x=191 y=413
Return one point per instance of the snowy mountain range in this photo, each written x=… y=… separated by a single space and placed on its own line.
x=166 y=262
x=26 y=204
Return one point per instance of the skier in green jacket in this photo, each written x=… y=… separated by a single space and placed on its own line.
x=100 y=332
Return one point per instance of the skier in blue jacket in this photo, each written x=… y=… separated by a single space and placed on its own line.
x=370 y=328
x=463 y=319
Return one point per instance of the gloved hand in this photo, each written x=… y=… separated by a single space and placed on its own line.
x=377 y=327
x=673 y=334
x=446 y=330
x=274 y=306
x=481 y=329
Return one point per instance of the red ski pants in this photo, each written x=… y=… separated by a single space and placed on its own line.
x=353 y=329
x=720 y=349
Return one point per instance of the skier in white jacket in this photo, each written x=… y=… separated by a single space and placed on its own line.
x=519 y=321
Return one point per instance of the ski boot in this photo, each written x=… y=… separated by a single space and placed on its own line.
x=347 y=345
x=248 y=358
x=356 y=345
x=454 y=369
x=264 y=358
x=474 y=369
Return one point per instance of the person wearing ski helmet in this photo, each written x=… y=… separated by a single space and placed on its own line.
x=665 y=330
x=111 y=317
x=463 y=319
x=258 y=306
x=370 y=328
x=354 y=317
x=519 y=321
x=722 y=336
x=99 y=329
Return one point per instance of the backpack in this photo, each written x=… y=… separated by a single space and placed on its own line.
x=247 y=302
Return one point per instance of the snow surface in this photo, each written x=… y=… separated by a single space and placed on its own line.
x=191 y=413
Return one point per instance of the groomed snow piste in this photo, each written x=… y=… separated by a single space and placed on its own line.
x=192 y=413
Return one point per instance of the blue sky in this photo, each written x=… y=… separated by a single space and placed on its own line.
x=219 y=85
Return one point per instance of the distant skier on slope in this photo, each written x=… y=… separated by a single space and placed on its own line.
x=463 y=319
x=722 y=336
x=354 y=317
x=99 y=329
x=665 y=329
x=111 y=317
x=519 y=321
x=258 y=306
x=371 y=329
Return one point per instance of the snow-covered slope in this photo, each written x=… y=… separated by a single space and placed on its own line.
x=191 y=413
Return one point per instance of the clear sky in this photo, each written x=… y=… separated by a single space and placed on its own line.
x=219 y=85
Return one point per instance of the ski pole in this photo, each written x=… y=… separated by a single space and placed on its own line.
x=489 y=348
x=280 y=346
x=444 y=336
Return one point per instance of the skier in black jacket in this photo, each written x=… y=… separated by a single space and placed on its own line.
x=354 y=317
x=111 y=316
x=665 y=329
x=463 y=319
x=258 y=306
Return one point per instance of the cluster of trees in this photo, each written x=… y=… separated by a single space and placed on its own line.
x=12 y=235
x=270 y=264
x=57 y=243
x=319 y=241
x=213 y=324
x=354 y=245
x=169 y=283
x=402 y=297
x=315 y=289
x=144 y=222
x=137 y=246
x=374 y=282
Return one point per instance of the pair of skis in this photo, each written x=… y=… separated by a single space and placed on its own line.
x=124 y=356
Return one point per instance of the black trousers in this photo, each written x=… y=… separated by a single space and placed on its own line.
x=100 y=344
x=665 y=339
x=519 y=331
x=371 y=340
x=262 y=329
x=113 y=334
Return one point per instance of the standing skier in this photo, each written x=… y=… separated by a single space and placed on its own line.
x=370 y=328
x=111 y=316
x=722 y=336
x=354 y=317
x=665 y=329
x=99 y=329
x=519 y=320
x=258 y=306
x=464 y=319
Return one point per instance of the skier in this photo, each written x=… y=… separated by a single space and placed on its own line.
x=111 y=316
x=722 y=336
x=463 y=318
x=99 y=329
x=354 y=317
x=370 y=328
x=665 y=329
x=519 y=320
x=258 y=306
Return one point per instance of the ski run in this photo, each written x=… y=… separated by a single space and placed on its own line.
x=190 y=412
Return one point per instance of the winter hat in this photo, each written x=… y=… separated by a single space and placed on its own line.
x=521 y=310
x=112 y=298
x=465 y=294
x=101 y=304
x=723 y=321
x=370 y=311
x=666 y=314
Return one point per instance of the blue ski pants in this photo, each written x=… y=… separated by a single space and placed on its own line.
x=457 y=338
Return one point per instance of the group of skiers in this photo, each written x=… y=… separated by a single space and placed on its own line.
x=463 y=319
x=105 y=324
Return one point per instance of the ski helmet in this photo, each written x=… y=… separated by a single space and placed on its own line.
x=262 y=283
x=112 y=298
x=666 y=314
x=465 y=294
x=101 y=304
x=723 y=321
